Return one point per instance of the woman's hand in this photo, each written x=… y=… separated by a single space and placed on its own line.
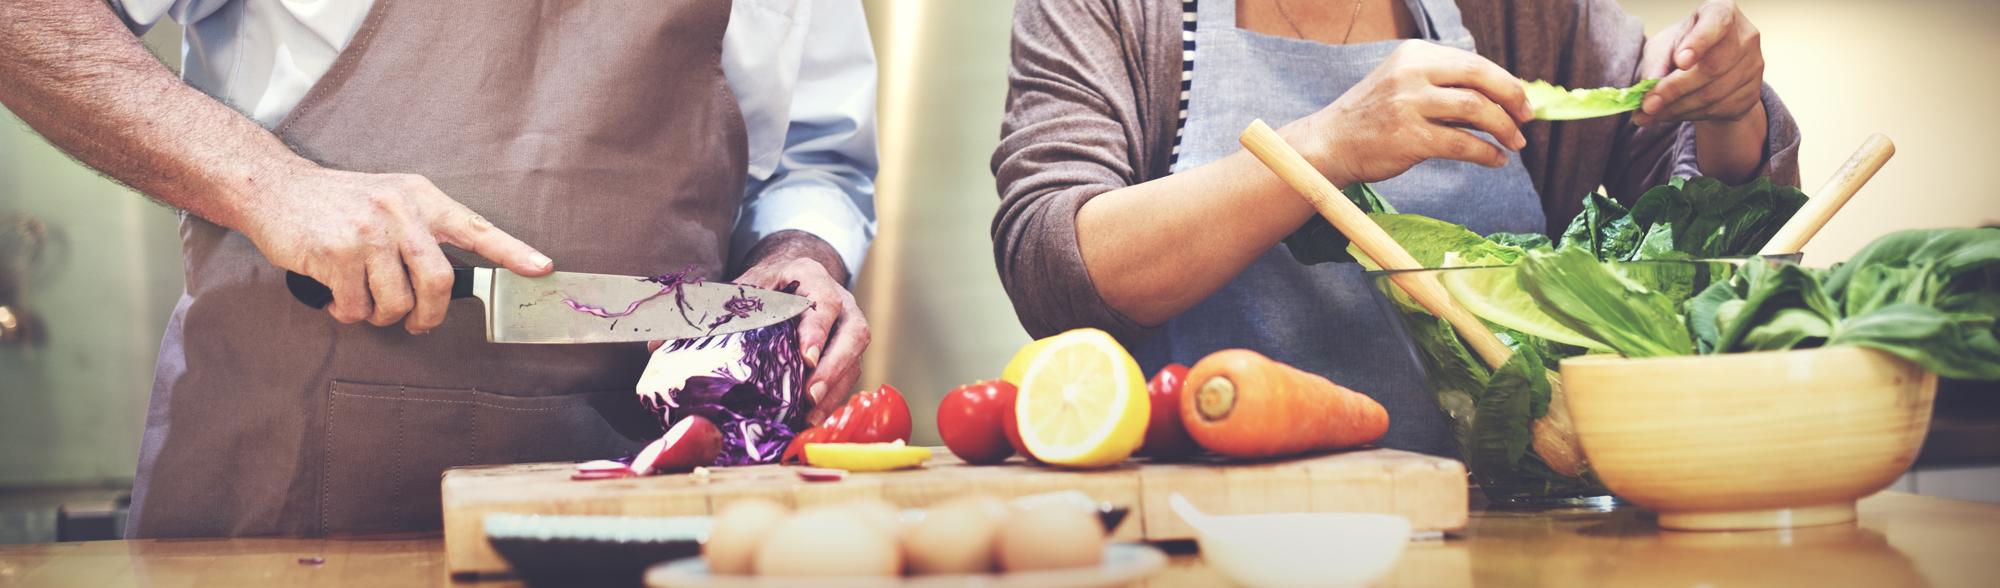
x=1710 y=66
x=1418 y=105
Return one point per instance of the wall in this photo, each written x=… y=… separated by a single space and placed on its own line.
x=930 y=289
x=1914 y=71
x=71 y=411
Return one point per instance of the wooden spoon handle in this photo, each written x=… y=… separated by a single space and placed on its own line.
x=1355 y=224
x=1832 y=195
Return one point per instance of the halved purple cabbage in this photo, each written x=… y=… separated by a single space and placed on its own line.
x=750 y=384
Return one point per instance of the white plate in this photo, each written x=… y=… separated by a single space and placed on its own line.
x=1124 y=563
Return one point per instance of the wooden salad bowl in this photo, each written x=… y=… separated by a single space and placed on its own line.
x=1739 y=441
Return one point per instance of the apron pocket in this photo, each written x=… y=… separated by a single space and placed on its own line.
x=387 y=446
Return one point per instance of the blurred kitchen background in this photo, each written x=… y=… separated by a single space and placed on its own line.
x=91 y=269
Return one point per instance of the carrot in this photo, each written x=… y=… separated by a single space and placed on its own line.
x=1239 y=403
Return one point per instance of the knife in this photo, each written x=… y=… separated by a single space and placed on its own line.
x=574 y=307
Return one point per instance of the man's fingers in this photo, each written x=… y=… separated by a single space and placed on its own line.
x=430 y=279
x=1457 y=105
x=1733 y=107
x=1657 y=59
x=840 y=367
x=390 y=287
x=816 y=325
x=351 y=302
x=1718 y=90
x=1477 y=73
x=465 y=229
x=1677 y=86
x=1714 y=21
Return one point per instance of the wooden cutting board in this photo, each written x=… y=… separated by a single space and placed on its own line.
x=1431 y=491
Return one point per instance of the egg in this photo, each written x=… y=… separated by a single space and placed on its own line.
x=1050 y=537
x=955 y=537
x=830 y=541
x=879 y=513
x=734 y=533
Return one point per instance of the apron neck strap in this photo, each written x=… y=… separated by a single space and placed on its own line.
x=1437 y=20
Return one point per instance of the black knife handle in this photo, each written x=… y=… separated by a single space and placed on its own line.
x=316 y=295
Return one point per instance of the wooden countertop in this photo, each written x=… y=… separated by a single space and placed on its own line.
x=1901 y=540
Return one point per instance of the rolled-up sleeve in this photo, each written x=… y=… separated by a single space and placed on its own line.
x=1660 y=153
x=141 y=15
x=1596 y=43
x=1072 y=131
x=824 y=181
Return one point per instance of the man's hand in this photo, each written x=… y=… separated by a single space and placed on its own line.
x=1711 y=71
x=373 y=240
x=833 y=333
x=71 y=70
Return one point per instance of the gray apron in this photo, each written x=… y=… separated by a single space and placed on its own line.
x=1324 y=318
x=602 y=132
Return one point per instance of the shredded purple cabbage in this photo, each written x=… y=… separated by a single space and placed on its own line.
x=669 y=284
x=738 y=306
x=760 y=411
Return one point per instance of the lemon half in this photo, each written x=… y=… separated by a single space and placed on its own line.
x=1082 y=400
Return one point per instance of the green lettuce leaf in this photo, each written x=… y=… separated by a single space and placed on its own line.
x=1523 y=241
x=1319 y=242
x=1552 y=102
x=1696 y=218
x=1500 y=432
x=1429 y=240
x=1955 y=345
x=1583 y=294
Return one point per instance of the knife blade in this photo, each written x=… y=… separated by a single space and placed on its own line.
x=576 y=307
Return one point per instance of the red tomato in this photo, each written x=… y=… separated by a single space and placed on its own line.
x=1166 y=437
x=972 y=420
x=1010 y=424
x=880 y=416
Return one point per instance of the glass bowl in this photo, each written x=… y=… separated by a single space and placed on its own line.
x=1521 y=452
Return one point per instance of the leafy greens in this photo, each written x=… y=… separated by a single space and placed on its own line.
x=1928 y=296
x=1552 y=102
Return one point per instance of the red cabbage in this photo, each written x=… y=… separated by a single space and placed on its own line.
x=751 y=384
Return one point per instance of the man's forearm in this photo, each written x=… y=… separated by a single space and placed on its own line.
x=72 y=71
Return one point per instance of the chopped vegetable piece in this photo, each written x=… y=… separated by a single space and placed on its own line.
x=868 y=417
x=822 y=474
x=865 y=457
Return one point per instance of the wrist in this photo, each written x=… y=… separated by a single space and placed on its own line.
x=1732 y=150
x=1752 y=121
x=792 y=244
x=1311 y=139
x=258 y=196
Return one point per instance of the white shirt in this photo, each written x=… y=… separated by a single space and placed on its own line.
x=809 y=115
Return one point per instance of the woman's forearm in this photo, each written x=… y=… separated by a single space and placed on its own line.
x=1732 y=151
x=1156 y=249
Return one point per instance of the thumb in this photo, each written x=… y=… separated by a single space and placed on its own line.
x=465 y=229
x=1657 y=59
x=1711 y=23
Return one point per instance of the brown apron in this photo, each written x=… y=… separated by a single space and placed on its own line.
x=600 y=131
